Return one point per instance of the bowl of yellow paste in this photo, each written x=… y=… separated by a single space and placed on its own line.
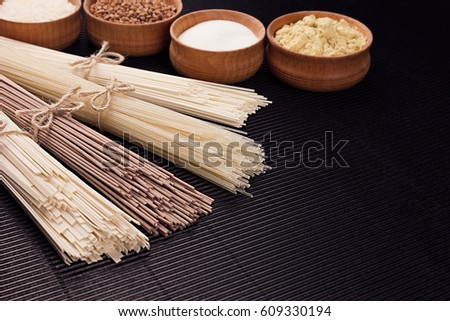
x=319 y=51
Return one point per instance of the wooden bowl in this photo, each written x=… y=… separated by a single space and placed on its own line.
x=57 y=34
x=129 y=39
x=226 y=67
x=314 y=73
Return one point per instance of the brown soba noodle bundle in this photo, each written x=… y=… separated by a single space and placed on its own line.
x=154 y=197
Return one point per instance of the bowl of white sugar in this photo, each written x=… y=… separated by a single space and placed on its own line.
x=53 y=24
x=217 y=45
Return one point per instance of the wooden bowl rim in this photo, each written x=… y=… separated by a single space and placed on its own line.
x=77 y=11
x=273 y=42
x=89 y=13
x=258 y=43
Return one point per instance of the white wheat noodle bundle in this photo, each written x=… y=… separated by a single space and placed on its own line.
x=224 y=104
x=238 y=159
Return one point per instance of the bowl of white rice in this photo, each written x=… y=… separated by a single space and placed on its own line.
x=54 y=24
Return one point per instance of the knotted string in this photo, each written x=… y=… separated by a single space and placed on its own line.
x=4 y=133
x=107 y=57
x=42 y=118
x=101 y=100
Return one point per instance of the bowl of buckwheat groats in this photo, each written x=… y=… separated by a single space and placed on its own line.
x=132 y=27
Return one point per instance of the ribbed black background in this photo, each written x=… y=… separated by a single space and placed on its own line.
x=379 y=230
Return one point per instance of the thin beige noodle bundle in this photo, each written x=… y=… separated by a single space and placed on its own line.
x=227 y=105
x=103 y=55
x=101 y=100
x=223 y=157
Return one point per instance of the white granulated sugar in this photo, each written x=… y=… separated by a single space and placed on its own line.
x=35 y=10
x=218 y=35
